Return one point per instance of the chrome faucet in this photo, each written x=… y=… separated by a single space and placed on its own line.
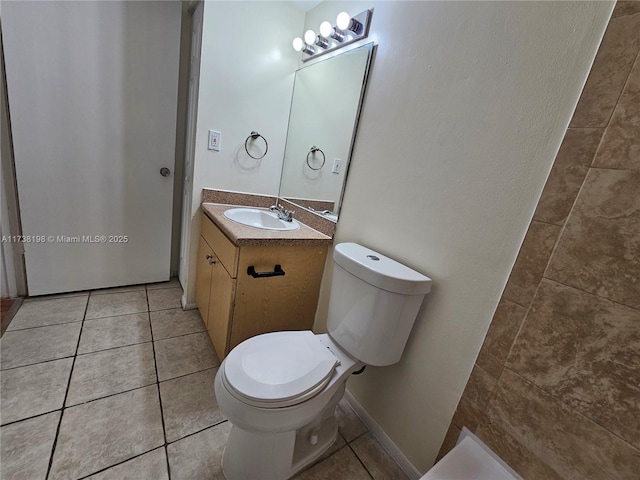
x=286 y=215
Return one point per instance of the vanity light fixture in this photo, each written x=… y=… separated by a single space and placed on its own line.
x=328 y=31
x=347 y=30
x=310 y=38
x=300 y=46
x=345 y=22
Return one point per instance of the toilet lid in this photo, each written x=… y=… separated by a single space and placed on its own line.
x=279 y=367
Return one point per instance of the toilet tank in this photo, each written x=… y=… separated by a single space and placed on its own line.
x=374 y=303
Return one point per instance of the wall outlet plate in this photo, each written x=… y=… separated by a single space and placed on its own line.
x=337 y=163
x=214 y=140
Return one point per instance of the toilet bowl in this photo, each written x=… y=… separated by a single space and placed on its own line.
x=279 y=390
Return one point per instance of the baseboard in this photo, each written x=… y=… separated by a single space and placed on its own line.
x=391 y=448
x=188 y=306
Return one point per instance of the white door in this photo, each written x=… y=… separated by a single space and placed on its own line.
x=92 y=92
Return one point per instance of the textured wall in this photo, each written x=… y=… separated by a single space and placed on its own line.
x=466 y=106
x=555 y=390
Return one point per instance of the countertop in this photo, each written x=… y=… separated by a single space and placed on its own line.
x=243 y=235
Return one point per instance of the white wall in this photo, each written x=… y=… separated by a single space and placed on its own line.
x=466 y=106
x=246 y=79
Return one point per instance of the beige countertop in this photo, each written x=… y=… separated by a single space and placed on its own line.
x=243 y=235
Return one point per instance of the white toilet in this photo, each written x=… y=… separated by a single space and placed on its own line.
x=279 y=390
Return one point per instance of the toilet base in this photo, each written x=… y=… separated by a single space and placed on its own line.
x=279 y=456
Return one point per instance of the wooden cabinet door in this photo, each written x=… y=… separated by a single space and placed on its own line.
x=203 y=279
x=220 y=308
x=277 y=303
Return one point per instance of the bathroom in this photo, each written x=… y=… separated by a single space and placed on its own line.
x=463 y=128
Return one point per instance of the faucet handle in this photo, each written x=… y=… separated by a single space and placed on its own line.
x=289 y=214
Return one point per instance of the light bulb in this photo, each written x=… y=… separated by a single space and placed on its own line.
x=325 y=29
x=342 y=21
x=298 y=44
x=310 y=37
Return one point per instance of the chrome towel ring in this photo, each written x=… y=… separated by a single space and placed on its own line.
x=254 y=136
x=313 y=151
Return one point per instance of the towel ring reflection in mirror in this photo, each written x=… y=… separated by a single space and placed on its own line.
x=313 y=151
x=254 y=136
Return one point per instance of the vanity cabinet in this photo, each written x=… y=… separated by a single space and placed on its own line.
x=236 y=305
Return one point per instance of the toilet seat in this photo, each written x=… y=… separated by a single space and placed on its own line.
x=279 y=369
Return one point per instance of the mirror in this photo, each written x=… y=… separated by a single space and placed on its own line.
x=327 y=97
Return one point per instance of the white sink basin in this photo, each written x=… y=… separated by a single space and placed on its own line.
x=265 y=219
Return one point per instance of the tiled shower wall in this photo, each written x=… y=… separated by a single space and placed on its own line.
x=555 y=390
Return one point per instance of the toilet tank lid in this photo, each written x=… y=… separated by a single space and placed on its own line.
x=380 y=271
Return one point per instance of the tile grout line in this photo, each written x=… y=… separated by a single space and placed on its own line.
x=590 y=293
x=42 y=326
x=196 y=432
x=106 y=350
x=359 y=459
x=119 y=463
x=155 y=364
x=13 y=422
x=113 y=395
x=573 y=409
x=36 y=363
x=66 y=393
x=99 y=318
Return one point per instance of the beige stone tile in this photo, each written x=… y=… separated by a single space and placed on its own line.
x=186 y=354
x=165 y=298
x=609 y=72
x=99 y=374
x=35 y=345
x=500 y=337
x=102 y=433
x=54 y=311
x=599 y=248
x=467 y=415
x=200 y=455
x=337 y=444
x=174 y=282
x=567 y=174
x=479 y=387
x=25 y=447
x=151 y=466
x=128 y=288
x=189 y=404
x=377 y=462
x=349 y=423
x=115 y=304
x=175 y=322
x=33 y=390
x=342 y=464
x=626 y=7
x=540 y=437
x=112 y=332
x=450 y=440
x=584 y=350
x=531 y=262
x=620 y=146
x=474 y=399
x=522 y=460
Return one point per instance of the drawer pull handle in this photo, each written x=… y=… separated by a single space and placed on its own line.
x=277 y=272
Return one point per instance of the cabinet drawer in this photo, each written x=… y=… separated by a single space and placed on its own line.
x=226 y=251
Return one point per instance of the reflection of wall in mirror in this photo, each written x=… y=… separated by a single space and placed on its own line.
x=323 y=114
